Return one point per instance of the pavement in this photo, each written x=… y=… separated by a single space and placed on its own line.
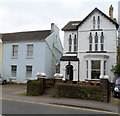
x=18 y=92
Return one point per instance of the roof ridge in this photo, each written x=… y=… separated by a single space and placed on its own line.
x=25 y=32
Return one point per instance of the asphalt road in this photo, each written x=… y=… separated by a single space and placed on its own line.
x=10 y=106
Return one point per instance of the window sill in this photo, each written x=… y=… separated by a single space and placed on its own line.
x=96 y=30
x=96 y=51
x=71 y=52
x=29 y=57
x=14 y=58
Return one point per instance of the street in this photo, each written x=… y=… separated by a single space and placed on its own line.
x=14 y=101
x=11 y=106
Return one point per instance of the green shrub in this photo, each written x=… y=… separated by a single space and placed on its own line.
x=116 y=70
x=34 y=87
x=35 y=82
x=86 y=90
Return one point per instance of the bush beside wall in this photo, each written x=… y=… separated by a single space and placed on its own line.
x=77 y=91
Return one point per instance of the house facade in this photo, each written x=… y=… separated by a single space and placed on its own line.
x=119 y=32
x=89 y=47
x=27 y=53
x=0 y=56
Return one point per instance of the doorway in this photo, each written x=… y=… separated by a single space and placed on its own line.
x=69 y=72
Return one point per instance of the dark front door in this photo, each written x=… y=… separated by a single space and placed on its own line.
x=69 y=69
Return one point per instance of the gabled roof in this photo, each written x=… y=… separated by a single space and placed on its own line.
x=72 y=25
x=26 y=36
x=97 y=10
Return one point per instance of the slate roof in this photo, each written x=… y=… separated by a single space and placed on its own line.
x=25 y=36
x=69 y=58
x=72 y=25
x=69 y=25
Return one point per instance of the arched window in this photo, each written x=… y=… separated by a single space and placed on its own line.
x=96 y=41
x=102 y=41
x=70 y=43
x=94 y=22
x=98 y=22
x=75 y=43
x=90 y=41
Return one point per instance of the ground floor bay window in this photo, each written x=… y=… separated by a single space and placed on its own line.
x=95 y=68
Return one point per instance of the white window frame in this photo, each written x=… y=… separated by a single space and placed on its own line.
x=92 y=69
x=104 y=69
x=29 y=72
x=14 y=51
x=70 y=43
x=75 y=43
x=94 y=22
x=98 y=21
x=29 y=53
x=90 y=42
x=14 y=72
x=102 y=42
x=87 y=69
x=96 y=43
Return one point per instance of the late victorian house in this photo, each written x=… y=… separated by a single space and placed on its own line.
x=90 y=47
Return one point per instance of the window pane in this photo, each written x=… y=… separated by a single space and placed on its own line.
x=90 y=47
x=94 y=22
x=95 y=69
x=75 y=41
x=70 y=41
x=28 y=71
x=13 y=71
x=15 y=50
x=98 y=22
x=69 y=48
x=75 y=48
x=96 y=64
x=30 y=50
x=96 y=38
x=96 y=47
x=90 y=38
x=102 y=47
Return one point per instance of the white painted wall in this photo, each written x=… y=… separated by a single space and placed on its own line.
x=119 y=12
x=66 y=40
x=63 y=65
x=38 y=60
x=45 y=56
x=110 y=43
x=0 y=58
x=53 y=51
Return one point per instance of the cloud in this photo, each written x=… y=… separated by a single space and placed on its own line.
x=23 y=15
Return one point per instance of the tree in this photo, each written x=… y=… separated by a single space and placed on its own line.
x=116 y=70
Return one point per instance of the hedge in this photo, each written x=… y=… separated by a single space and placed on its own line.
x=34 y=87
x=77 y=91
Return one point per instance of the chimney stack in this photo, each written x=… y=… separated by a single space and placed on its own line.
x=111 y=12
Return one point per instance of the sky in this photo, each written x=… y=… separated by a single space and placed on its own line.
x=32 y=15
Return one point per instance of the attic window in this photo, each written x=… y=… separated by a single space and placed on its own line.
x=74 y=24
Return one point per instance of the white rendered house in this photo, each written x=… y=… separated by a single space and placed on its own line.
x=0 y=56
x=89 y=47
x=27 y=53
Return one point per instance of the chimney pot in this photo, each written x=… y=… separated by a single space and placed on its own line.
x=111 y=12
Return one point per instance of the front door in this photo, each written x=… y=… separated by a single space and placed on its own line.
x=69 y=72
